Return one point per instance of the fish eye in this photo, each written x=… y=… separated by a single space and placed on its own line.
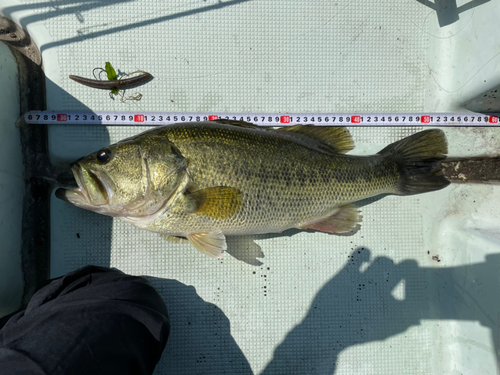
x=103 y=156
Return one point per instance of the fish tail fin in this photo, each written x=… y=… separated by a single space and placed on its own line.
x=417 y=158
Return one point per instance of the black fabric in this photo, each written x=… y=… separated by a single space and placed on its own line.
x=91 y=321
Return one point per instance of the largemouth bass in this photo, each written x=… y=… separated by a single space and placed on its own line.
x=205 y=180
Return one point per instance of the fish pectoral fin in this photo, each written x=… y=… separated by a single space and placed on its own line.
x=344 y=220
x=337 y=137
x=212 y=244
x=216 y=202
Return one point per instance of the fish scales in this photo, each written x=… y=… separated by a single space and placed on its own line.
x=284 y=183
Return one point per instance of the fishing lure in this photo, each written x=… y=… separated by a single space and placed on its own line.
x=115 y=84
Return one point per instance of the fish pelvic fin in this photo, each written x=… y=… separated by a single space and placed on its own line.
x=345 y=219
x=417 y=158
x=212 y=244
x=216 y=202
x=174 y=239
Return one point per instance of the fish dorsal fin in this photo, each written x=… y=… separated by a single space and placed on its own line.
x=236 y=123
x=337 y=137
x=211 y=244
x=216 y=202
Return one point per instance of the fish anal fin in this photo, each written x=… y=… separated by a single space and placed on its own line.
x=344 y=220
x=337 y=137
x=216 y=202
x=212 y=244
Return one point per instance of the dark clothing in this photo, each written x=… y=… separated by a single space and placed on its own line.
x=91 y=321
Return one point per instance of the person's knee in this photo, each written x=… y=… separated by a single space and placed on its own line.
x=103 y=315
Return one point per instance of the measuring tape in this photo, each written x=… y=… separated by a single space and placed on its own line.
x=263 y=119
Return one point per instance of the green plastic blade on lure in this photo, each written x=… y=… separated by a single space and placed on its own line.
x=110 y=71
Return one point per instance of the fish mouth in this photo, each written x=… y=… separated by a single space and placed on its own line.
x=94 y=188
